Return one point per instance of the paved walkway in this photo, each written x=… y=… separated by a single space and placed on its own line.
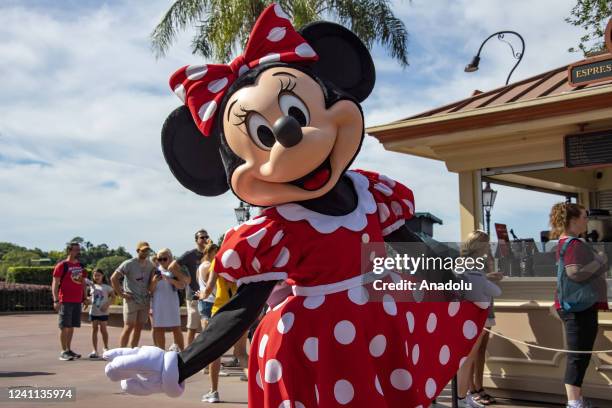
x=29 y=357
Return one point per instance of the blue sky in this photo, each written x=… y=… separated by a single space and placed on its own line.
x=83 y=99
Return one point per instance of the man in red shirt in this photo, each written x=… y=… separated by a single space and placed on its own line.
x=68 y=288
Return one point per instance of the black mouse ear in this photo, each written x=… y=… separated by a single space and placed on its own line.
x=193 y=158
x=343 y=59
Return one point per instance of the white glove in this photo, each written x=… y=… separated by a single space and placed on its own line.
x=144 y=370
x=482 y=289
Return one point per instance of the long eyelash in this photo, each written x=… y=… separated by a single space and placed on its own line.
x=290 y=86
x=243 y=117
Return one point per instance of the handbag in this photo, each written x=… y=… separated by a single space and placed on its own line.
x=573 y=296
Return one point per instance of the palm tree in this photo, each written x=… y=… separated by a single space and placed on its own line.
x=224 y=25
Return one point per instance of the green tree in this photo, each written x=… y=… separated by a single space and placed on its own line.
x=592 y=16
x=222 y=25
x=16 y=257
x=8 y=246
x=110 y=263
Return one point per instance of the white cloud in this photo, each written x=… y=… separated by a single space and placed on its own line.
x=83 y=101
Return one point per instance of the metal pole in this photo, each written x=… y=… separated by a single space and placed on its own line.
x=488 y=218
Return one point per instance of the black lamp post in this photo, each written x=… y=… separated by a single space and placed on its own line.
x=488 y=200
x=473 y=66
x=243 y=212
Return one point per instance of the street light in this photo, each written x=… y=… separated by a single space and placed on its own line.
x=473 y=66
x=488 y=200
x=243 y=212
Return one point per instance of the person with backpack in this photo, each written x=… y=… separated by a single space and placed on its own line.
x=69 y=294
x=581 y=292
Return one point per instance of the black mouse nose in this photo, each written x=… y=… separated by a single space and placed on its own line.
x=288 y=131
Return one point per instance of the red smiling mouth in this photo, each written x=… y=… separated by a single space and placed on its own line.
x=316 y=178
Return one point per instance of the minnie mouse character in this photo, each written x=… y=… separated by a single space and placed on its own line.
x=280 y=126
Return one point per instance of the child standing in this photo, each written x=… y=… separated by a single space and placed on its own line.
x=102 y=296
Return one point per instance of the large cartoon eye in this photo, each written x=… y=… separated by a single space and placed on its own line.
x=260 y=131
x=293 y=106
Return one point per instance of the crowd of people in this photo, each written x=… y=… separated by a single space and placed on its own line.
x=150 y=285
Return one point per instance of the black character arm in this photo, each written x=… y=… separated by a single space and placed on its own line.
x=225 y=328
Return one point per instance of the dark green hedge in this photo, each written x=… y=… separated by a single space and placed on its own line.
x=41 y=275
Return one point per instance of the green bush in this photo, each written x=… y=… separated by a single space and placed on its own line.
x=109 y=264
x=41 y=275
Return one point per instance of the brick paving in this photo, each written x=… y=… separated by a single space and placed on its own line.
x=29 y=350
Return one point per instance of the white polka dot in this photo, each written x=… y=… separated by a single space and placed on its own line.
x=432 y=322
x=344 y=332
x=410 y=205
x=317 y=393
x=262 y=345
x=243 y=69
x=273 y=371
x=390 y=182
x=255 y=238
x=378 y=387
x=378 y=345
x=207 y=110
x=430 y=388
x=258 y=379
x=272 y=57
x=389 y=305
x=401 y=379
x=416 y=352
x=304 y=50
x=358 y=295
x=298 y=404
x=469 y=329
x=277 y=237
x=311 y=349
x=282 y=259
x=406 y=349
x=256 y=265
x=180 y=92
x=217 y=85
x=285 y=323
x=230 y=259
x=444 y=355
x=278 y=10
x=396 y=208
x=453 y=308
x=195 y=72
x=419 y=406
x=383 y=212
x=365 y=238
x=256 y=221
x=285 y=404
x=372 y=255
x=343 y=392
x=383 y=189
x=410 y=319
x=312 y=302
x=462 y=361
x=276 y=34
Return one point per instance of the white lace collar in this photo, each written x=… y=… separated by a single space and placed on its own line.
x=354 y=221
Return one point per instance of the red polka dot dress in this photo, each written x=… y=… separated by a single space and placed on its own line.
x=331 y=344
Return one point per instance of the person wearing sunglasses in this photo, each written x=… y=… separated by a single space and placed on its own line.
x=190 y=261
x=165 y=301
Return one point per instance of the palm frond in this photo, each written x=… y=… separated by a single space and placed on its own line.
x=181 y=14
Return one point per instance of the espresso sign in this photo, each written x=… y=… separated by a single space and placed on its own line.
x=590 y=71
x=588 y=149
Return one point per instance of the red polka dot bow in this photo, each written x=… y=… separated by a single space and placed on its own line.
x=202 y=87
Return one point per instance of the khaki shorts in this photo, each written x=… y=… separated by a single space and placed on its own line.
x=193 y=316
x=135 y=312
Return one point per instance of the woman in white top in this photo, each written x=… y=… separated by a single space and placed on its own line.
x=165 y=302
x=205 y=304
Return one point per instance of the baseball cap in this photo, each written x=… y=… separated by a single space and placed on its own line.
x=142 y=245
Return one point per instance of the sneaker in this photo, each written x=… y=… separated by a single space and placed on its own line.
x=231 y=364
x=65 y=356
x=93 y=355
x=223 y=373
x=174 y=347
x=581 y=404
x=472 y=402
x=212 y=397
x=243 y=377
x=73 y=354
